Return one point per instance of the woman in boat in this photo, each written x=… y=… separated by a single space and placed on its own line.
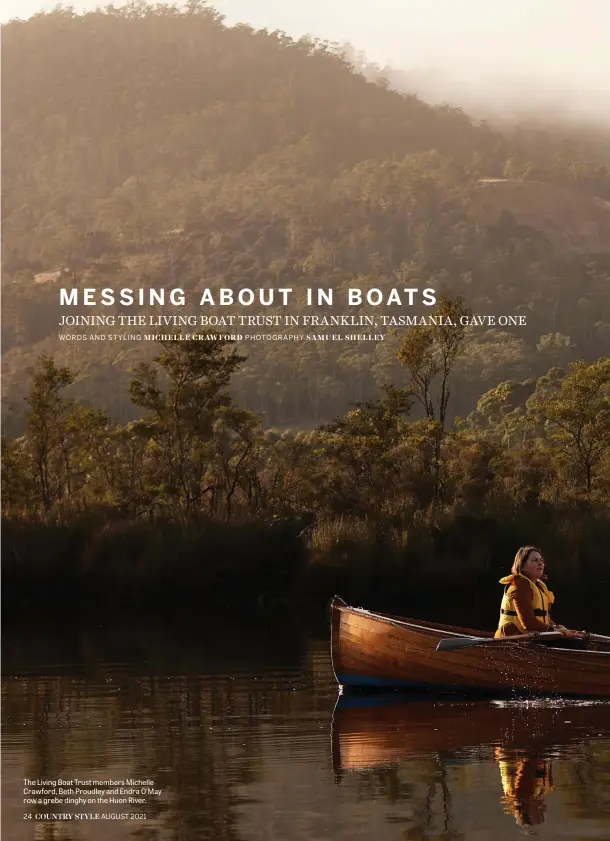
x=526 y=605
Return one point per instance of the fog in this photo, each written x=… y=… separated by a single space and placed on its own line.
x=508 y=97
x=492 y=58
x=495 y=59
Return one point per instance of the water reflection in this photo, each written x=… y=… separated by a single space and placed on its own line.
x=233 y=723
x=523 y=738
x=188 y=709
x=526 y=780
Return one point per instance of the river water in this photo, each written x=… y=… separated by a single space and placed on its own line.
x=240 y=732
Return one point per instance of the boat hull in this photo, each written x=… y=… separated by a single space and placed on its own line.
x=378 y=651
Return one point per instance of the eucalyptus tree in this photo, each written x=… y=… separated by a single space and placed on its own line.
x=46 y=418
x=575 y=412
x=199 y=440
x=429 y=353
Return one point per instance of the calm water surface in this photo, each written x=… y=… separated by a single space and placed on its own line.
x=244 y=733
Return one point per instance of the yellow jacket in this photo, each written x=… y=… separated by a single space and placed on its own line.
x=526 y=605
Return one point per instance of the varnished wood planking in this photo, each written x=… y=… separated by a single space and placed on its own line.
x=374 y=646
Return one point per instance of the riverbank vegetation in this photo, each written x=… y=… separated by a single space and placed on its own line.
x=154 y=147
x=198 y=495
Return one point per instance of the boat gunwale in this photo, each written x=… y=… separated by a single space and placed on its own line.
x=339 y=604
x=405 y=622
x=402 y=623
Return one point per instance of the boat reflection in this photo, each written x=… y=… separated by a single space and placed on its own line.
x=522 y=737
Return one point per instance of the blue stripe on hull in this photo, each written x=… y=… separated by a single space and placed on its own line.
x=385 y=683
x=368 y=682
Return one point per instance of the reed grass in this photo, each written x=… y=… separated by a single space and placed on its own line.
x=94 y=552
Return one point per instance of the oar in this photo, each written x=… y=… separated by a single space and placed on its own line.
x=454 y=644
x=597 y=637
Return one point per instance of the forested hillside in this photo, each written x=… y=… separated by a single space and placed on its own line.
x=152 y=147
x=157 y=147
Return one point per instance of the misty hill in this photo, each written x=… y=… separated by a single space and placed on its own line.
x=166 y=99
x=153 y=147
x=527 y=112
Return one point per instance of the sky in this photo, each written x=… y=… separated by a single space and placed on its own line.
x=556 y=50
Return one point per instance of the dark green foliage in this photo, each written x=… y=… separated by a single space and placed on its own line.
x=198 y=495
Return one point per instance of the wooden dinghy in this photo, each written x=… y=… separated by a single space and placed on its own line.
x=377 y=650
x=385 y=729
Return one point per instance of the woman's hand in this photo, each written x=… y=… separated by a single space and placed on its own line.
x=563 y=630
x=569 y=633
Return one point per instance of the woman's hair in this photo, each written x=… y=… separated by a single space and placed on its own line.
x=521 y=558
